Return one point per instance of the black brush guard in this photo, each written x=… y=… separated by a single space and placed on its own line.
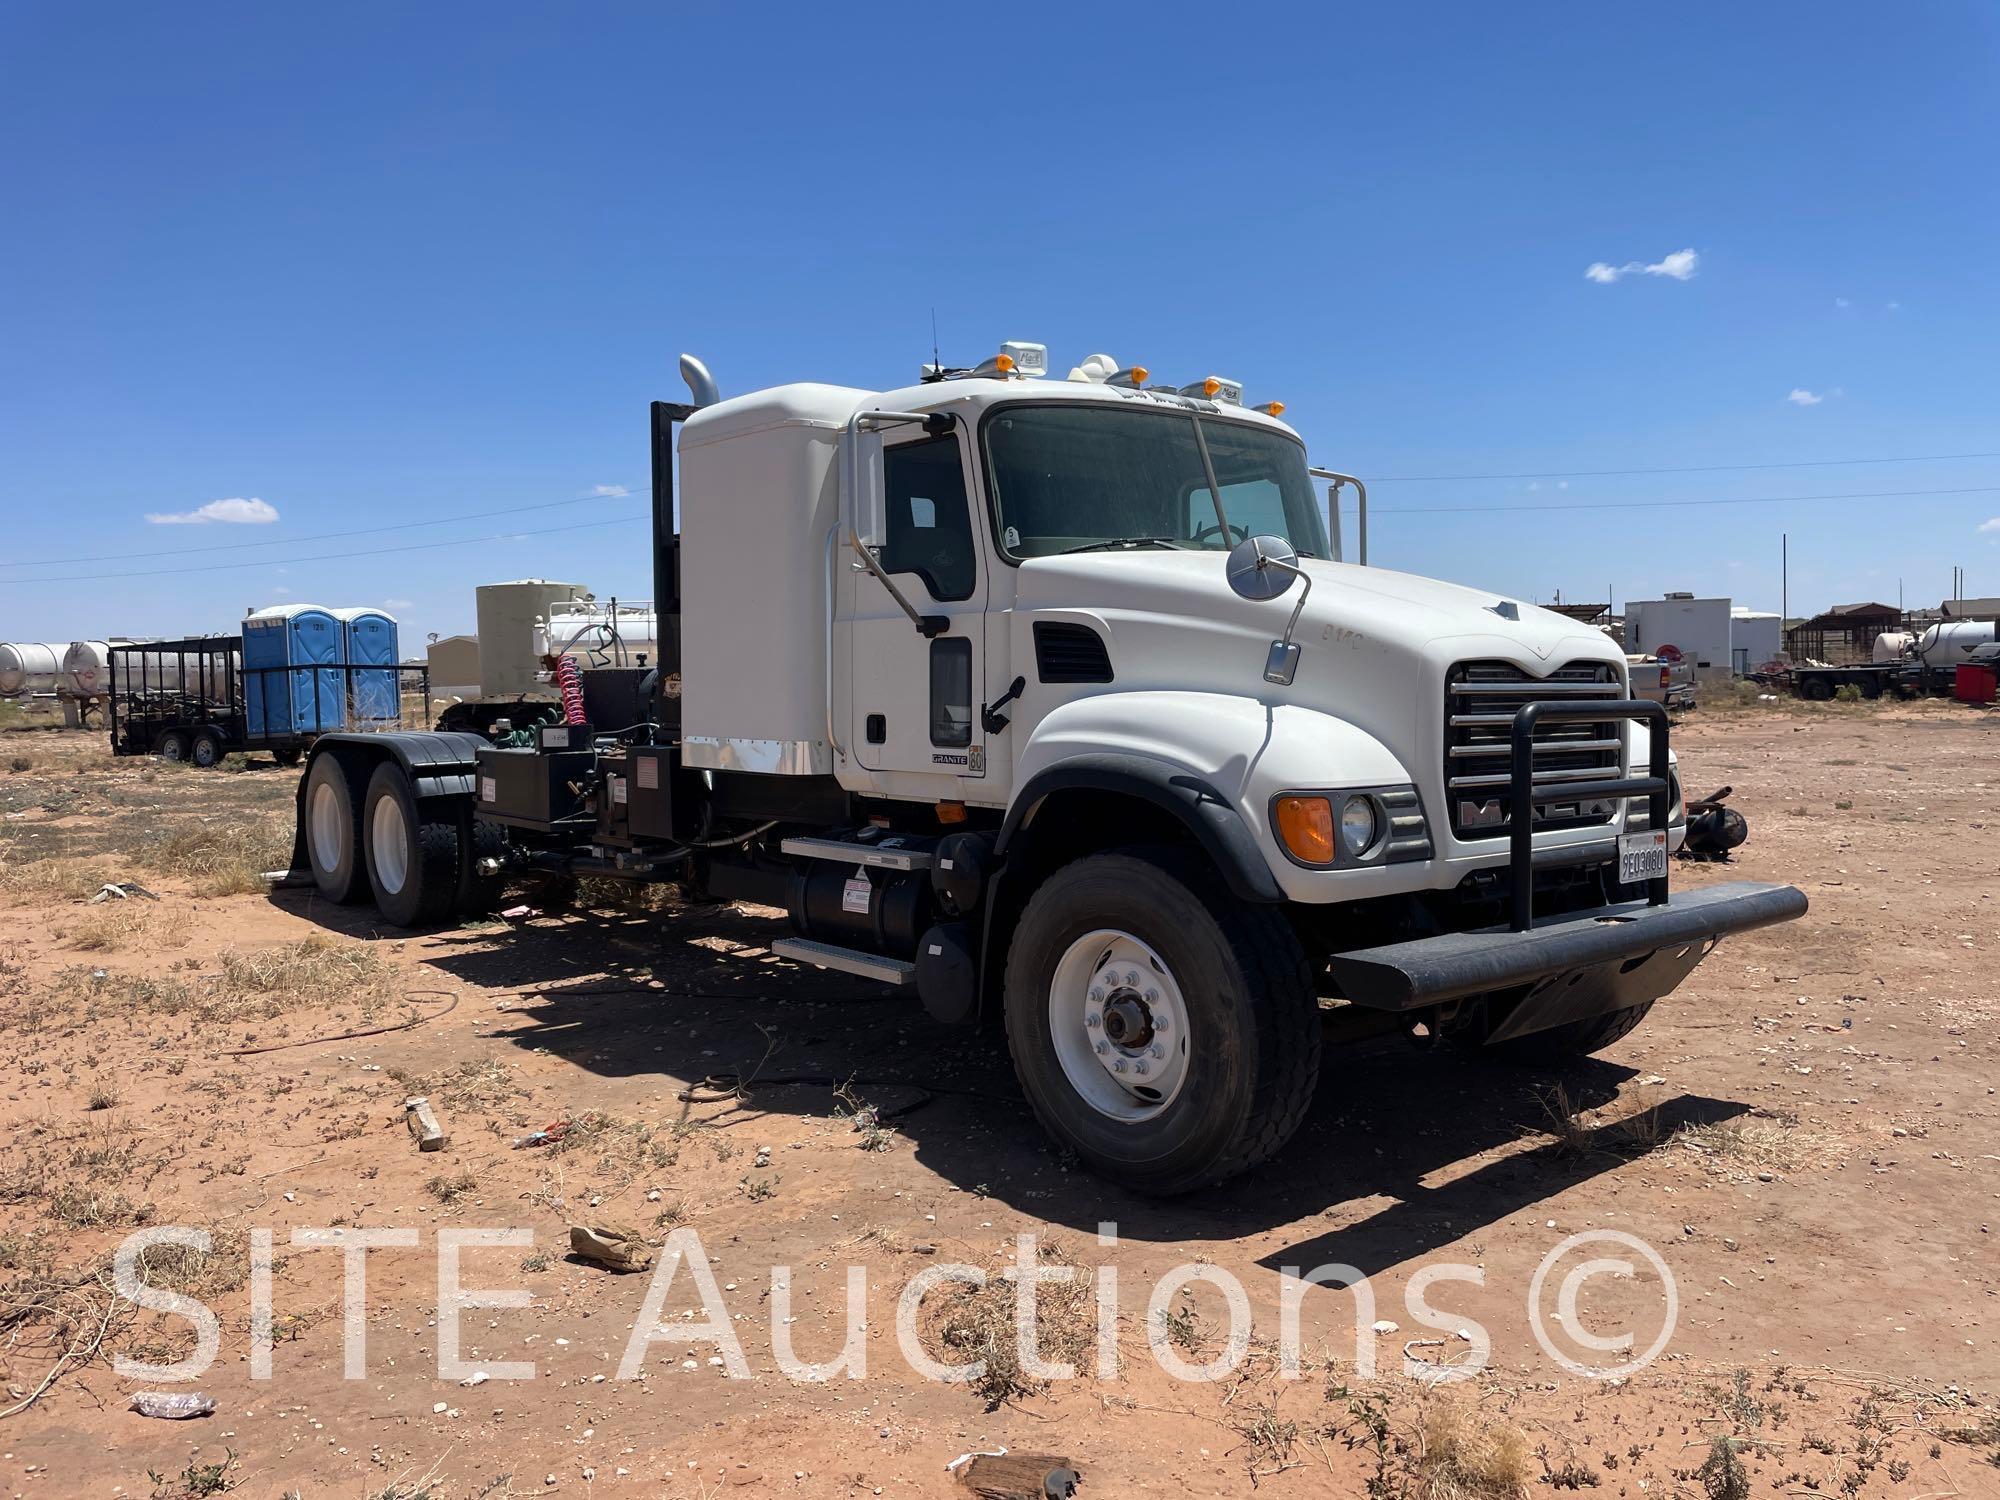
x=1535 y=974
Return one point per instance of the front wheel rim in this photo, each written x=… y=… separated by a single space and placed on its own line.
x=390 y=841
x=1119 y=1024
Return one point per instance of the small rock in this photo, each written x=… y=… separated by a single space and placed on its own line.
x=1383 y=1325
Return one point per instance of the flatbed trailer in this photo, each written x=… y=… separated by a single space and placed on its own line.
x=1902 y=679
x=184 y=700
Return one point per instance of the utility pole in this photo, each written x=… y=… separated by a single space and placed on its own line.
x=1784 y=579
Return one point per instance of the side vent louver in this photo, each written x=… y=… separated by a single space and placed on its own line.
x=1070 y=653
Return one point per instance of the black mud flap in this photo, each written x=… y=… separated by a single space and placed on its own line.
x=1564 y=968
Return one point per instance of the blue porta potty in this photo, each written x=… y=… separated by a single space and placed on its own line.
x=293 y=671
x=371 y=658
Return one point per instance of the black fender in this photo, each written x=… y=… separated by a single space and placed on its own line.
x=439 y=763
x=1209 y=817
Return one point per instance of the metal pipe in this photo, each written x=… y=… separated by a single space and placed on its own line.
x=1333 y=508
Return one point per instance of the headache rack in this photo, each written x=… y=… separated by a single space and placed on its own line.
x=1482 y=699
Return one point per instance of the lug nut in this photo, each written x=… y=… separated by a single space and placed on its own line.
x=1093 y=1019
x=1140 y=1069
x=1158 y=1050
x=1118 y=1065
x=1103 y=1047
x=1160 y=1022
x=1096 y=996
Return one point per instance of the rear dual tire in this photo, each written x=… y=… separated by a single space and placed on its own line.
x=417 y=859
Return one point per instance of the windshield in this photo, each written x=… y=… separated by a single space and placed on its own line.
x=1081 y=476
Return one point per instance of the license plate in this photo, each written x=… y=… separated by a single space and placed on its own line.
x=1642 y=856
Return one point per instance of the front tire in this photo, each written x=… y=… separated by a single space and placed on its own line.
x=412 y=858
x=1575 y=1039
x=1140 y=959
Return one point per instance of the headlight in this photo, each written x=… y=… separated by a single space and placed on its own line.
x=1360 y=825
x=1351 y=827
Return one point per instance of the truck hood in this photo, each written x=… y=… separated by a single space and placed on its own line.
x=1348 y=605
x=1375 y=645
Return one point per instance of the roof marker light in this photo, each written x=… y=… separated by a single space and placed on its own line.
x=1017 y=359
x=1272 y=408
x=1132 y=376
x=1215 y=388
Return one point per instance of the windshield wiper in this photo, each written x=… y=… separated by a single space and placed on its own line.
x=1110 y=544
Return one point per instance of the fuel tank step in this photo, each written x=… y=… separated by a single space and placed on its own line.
x=853 y=852
x=848 y=960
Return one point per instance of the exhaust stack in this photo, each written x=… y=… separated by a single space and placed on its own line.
x=700 y=383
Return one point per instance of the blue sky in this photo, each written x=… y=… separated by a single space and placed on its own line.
x=388 y=264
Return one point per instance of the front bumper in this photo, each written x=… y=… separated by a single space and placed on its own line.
x=1563 y=968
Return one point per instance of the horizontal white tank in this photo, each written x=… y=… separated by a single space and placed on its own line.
x=1950 y=643
x=1891 y=644
x=86 y=670
x=29 y=667
x=597 y=637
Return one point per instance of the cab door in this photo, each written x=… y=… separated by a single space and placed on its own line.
x=914 y=701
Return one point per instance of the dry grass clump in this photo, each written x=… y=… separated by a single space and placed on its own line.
x=122 y=924
x=1462 y=1455
x=1753 y=1143
x=54 y=878
x=316 y=972
x=473 y=1085
x=225 y=855
x=977 y=1323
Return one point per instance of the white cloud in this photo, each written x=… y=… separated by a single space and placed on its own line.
x=281 y=591
x=1992 y=525
x=399 y=604
x=1842 y=302
x=1892 y=306
x=609 y=489
x=236 y=512
x=1802 y=397
x=1679 y=266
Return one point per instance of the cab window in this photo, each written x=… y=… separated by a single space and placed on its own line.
x=928 y=526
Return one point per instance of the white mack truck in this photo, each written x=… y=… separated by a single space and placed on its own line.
x=1052 y=701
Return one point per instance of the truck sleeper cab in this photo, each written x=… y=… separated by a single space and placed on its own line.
x=1051 y=701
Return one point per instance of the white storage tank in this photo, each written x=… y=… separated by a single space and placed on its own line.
x=1949 y=644
x=29 y=667
x=508 y=614
x=599 y=636
x=1891 y=644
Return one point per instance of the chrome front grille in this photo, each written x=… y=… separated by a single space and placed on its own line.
x=1481 y=698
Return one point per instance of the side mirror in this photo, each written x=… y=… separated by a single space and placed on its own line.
x=867 y=504
x=1262 y=568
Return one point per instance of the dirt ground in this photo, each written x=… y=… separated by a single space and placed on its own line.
x=1805 y=1133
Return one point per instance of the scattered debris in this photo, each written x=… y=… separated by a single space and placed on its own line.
x=613 y=1246
x=548 y=1135
x=175 y=1407
x=1019 y=1476
x=121 y=891
x=423 y=1122
x=1712 y=829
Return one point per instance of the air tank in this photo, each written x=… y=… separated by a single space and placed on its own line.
x=28 y=667
x=1950 y=643
x=1891 y=644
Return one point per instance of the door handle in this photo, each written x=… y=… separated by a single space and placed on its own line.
x=990 y=717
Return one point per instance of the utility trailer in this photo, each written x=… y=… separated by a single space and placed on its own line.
x=1052 y=702
x=1901 y=679
x=184 y=700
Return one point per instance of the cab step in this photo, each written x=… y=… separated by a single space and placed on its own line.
x=820 y=955
x=854 y=852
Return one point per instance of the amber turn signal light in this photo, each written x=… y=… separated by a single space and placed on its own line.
x=1306 y=826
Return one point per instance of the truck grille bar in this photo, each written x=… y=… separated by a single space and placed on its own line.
x=1572 y=752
